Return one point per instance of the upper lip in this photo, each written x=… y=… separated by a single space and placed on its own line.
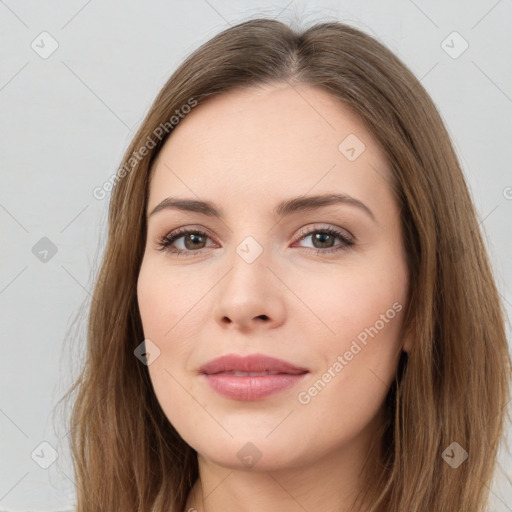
x=250 y=363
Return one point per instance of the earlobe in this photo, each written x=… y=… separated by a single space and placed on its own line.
x=407 y=343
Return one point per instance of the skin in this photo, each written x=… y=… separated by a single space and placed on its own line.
x=246 y=151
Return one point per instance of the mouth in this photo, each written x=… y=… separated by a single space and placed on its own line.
x=248 y=374
x=251 y=364
x=252 y=377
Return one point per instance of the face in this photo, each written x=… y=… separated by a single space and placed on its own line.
x=322 y=288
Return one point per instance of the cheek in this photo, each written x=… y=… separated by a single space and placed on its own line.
x=163 y=309
x=172 y=315
x=343 y=301
x=363 y=309
x=162 y=316
x=348 y=389
x=168 y=300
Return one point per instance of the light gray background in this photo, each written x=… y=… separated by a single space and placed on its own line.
x=67 y=119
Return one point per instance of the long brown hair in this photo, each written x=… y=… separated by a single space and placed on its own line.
x=454 y=385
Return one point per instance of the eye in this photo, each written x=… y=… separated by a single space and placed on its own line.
x=194 y=241
x=323 y=239
x=192 y=238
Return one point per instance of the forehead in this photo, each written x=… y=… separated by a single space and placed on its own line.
x=273 y=140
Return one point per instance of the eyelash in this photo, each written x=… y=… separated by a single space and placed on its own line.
x=165 y=242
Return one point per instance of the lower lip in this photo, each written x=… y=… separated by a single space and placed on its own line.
x=252 y=387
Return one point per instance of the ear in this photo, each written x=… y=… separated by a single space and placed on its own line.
x=407 y=339
x=407 y=342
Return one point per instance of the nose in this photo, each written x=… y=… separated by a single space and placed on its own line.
x=250 y=296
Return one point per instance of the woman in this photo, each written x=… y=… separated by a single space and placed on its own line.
x=295 y=310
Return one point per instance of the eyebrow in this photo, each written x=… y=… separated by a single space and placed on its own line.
x=287 y=207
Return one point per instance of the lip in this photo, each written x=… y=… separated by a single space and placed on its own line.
x=219 y=374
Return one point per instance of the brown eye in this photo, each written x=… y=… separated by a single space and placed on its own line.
x=193 y=241
x=323 y=240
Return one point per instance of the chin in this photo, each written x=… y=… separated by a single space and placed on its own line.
x=250 y=451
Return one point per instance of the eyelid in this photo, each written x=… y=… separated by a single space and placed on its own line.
x=306 y=231
x=342 y=234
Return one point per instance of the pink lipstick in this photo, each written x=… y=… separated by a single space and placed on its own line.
x=250 y=377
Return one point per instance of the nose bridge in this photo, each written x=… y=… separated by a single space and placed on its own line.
x=247 y=291
x=252 y=247
x=252 y=242
x=249 y=262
